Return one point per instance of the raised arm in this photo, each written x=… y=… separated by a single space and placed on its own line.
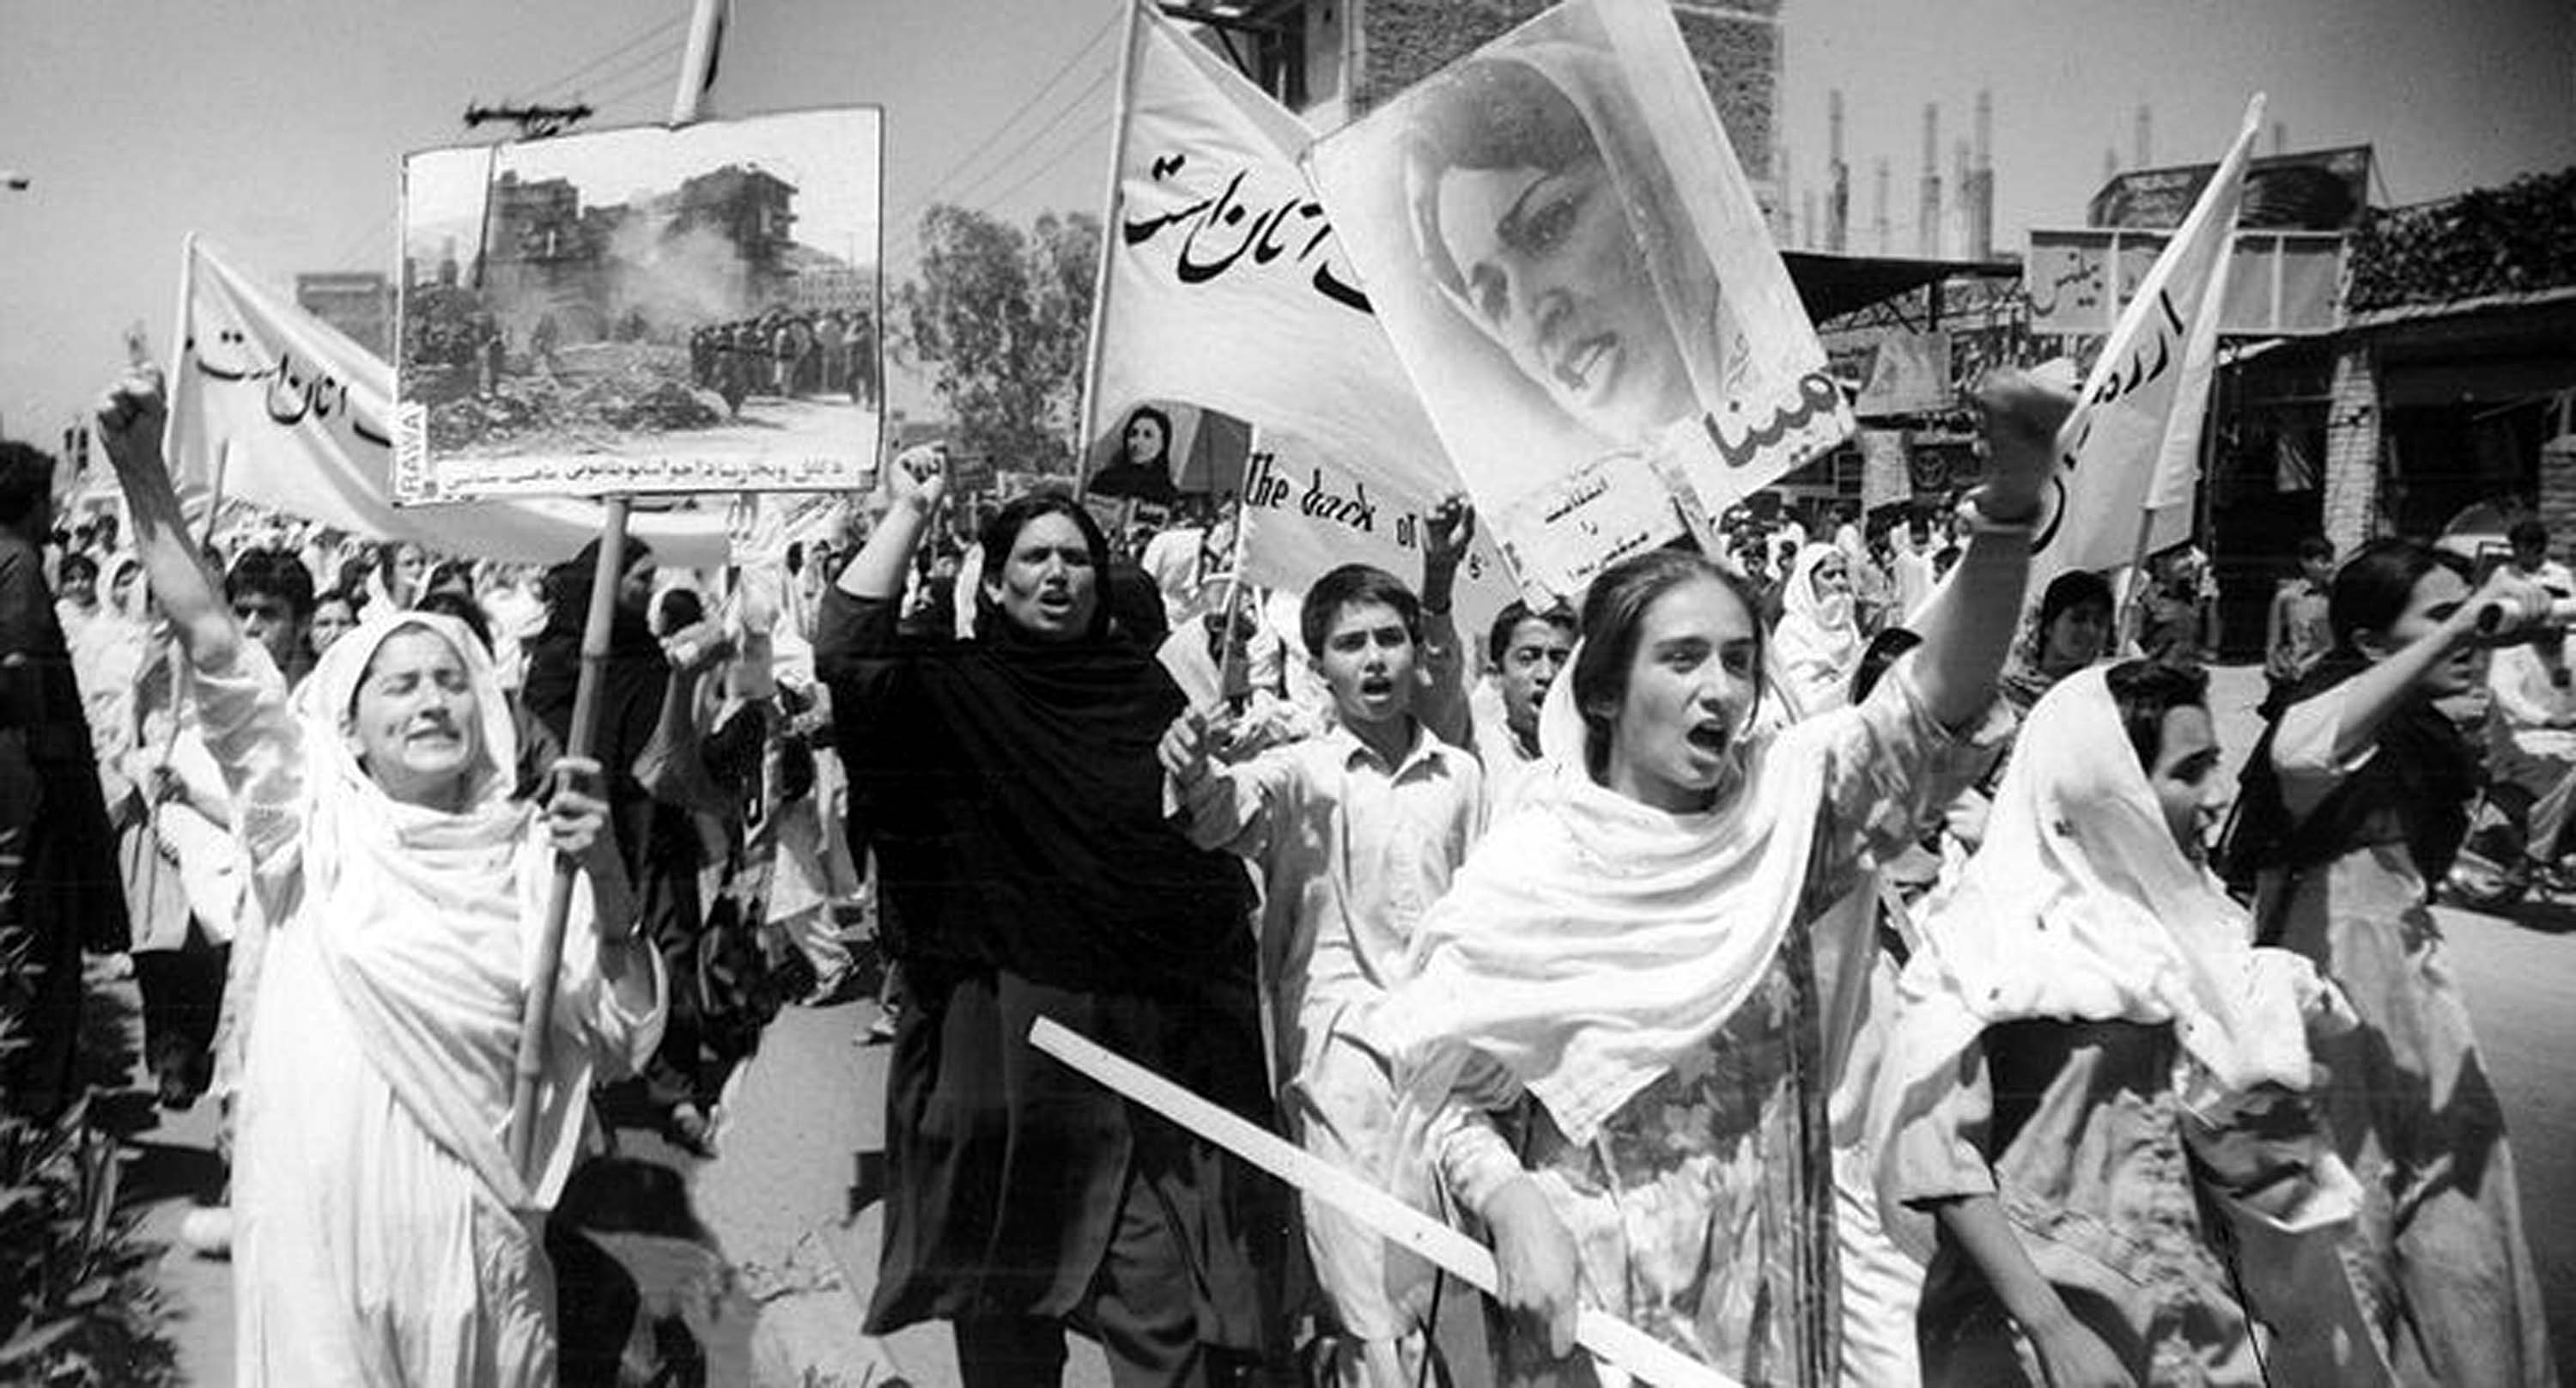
x=1447 y=532
x=1968 y=624
x=915 y=483
x=129 y=427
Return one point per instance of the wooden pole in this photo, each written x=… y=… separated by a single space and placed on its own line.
x=1088 y=417
x=1613 y=1340
x=1234 y=575
x=538 y=1011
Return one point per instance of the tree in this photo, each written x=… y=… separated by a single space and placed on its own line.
x=1004 y=317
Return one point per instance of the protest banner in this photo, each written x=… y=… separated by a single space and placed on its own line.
x=1576 y=275
x=1222 y=286
x=645 y=310
x=271 y=405
x=2128 y=454
x=1886 y=479
x=1896 y=372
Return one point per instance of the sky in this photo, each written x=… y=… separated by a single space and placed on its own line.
x=277 y=128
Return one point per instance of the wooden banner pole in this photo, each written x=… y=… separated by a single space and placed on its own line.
x=538 y=1011
x=1613 y=1340
x=1087 y=413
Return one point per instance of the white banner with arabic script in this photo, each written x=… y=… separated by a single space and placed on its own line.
x=1225 y=288
x=1544 y=228
x=2130 y=451
x=274 y=406
x=644 y=310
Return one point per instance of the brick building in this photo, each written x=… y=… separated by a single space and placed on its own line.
x=358 y=303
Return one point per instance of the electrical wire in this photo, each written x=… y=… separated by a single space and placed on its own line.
x=629 y=46
x=1012 y=119
x=904 y=263
x=649 y=64
x=643 y=84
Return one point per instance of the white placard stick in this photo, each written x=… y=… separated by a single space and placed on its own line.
x=1613 y=1340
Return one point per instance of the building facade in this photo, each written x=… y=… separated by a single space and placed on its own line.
x=358 y=303
x=1333 y=61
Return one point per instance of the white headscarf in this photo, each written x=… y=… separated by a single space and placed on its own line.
x=1817 y=644
x=427 y=922
x=2081 y=907
x=1590 y=940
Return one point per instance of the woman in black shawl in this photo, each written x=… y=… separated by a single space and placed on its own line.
x=1024 y=855
x=2355 y=803
x=661 y=844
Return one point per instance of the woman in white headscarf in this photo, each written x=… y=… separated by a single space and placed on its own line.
x=1615 y=1018
x=383 y=1233
x=2094 y=1069
x=1817 y=644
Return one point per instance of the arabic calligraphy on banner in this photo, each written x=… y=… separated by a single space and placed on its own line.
x=242 y=376
x=1227 y=292
x=603 y=474
x=1561 y=537
x=2130 y=448
x=1216 y=233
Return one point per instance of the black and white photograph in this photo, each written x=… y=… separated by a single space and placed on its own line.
x=706 y=298
x=1287 y=694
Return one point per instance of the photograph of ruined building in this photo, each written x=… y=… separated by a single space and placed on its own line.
x=703 y=293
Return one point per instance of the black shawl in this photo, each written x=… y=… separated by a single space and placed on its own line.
x=1016 y=806
x=636 y=673
x=2416 y=790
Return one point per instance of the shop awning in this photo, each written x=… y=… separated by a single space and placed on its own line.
x=1834 y=285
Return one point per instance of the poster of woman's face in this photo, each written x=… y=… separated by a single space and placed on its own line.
x=1588 y=337
x=1159 y=451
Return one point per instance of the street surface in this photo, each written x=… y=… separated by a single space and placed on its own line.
x=791 y=1191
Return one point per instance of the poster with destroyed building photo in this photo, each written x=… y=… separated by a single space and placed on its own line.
x=643 y=310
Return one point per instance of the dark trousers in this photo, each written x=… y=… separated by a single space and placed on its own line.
x=1140 y=1308
x=183 y=997
x=40 y=987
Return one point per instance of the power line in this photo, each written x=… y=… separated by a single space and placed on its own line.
x=905 y=263
x=1081 y=135
x=964 y=194
x=352 y=247
x=645 y=64
x=1024 y=108
x=643 y=84
x=647 y=36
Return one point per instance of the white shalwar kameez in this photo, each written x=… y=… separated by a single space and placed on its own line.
x=381 y=1235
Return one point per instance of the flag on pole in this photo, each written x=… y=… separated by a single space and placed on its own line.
x=2128 y=454
x=1224 y=288
x=271 y=405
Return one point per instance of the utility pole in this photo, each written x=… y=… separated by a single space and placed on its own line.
x=534 y=122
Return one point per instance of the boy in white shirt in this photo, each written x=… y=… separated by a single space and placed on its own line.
x=1355 y=834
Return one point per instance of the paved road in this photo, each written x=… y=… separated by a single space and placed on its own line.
x=2520 y=977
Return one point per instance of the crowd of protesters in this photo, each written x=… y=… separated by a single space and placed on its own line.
x=1822 y=954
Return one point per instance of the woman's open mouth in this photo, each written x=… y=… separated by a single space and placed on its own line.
x=1589 y=366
